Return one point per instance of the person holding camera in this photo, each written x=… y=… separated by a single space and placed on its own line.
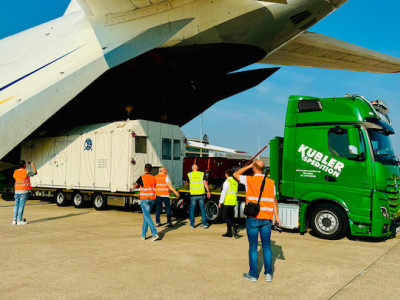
x=21 y=190
x=261 y=207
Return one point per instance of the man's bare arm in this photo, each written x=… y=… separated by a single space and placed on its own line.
x=276 y=212
x=240 y=172
x=207 y=189
x=34 y=168
x=172 y=189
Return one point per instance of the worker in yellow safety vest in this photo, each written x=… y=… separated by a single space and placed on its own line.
x=163 y=186
x=198 y=186
x=262 y=223
x=228 y=202
x=21 y=190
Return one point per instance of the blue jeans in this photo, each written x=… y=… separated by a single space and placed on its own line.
x=20 y=200
x=146 y=205
x=167 y=203
x=253 y=227
x=193 y=201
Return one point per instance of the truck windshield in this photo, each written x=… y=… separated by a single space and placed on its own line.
x=382 y=147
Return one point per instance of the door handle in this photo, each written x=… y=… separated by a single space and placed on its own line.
x=330 y=178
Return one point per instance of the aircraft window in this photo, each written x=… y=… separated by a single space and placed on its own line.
x=166 y=149
x=177 y=149
x=141 y=144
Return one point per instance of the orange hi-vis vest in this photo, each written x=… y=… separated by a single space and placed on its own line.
x=267 y=197
x=162 y=187
x=22 y=181
x=148 y=190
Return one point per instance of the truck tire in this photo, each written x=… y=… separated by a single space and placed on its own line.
x=99 y=202
x=328 y=221
x=60 y=198
x=78 y=200
x=213 y=212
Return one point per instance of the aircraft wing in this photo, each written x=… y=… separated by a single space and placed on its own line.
x=320 y=51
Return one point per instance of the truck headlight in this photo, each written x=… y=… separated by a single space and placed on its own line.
x=384 y=212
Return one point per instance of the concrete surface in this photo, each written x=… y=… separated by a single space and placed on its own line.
x=68 y=253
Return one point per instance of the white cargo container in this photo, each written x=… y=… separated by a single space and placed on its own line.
x=105 y=157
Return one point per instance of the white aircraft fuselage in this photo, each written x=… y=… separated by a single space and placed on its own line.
x=88 y=64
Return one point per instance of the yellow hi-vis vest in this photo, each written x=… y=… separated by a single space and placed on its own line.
x=231 y=195
x=196 y=183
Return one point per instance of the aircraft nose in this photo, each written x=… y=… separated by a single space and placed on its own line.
x=337 y=3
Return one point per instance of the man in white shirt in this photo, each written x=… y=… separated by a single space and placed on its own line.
x=227 y=203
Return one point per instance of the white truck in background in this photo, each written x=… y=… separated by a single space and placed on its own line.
x=99 y=163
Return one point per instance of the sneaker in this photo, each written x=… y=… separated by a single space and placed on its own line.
x=22 y=222
x=248 y=277
x=227 y=235
x=268 y=277
x=235 y=233
x=142 y=238
x=14 y=222
x=192 y=227
x=170 y=225
x=156 y=238
x=204 y=226
x=158 y=224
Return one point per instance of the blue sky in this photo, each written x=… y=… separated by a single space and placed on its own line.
x=236 y=122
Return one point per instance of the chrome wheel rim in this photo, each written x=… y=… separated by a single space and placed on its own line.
x=211 y=210
x=98 y=201
x=78 y=199
x=60 y=198
x=326 y=222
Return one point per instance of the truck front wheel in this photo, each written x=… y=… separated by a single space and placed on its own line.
x=329 y=222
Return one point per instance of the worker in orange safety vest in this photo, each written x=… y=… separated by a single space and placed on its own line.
x=262 y=223
x=163 y=187
x=21 y=190
x=147 y=184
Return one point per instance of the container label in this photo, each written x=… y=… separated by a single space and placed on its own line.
x=321 y=161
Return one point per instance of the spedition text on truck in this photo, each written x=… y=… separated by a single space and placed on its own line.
x=336 y=163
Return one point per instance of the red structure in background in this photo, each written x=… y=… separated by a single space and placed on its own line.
x=213 y=167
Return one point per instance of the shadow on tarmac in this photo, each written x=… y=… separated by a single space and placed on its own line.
x=57 y=218
x=178 y=224
x=277 y=253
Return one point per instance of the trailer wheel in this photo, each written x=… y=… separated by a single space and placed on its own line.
x=329 y=222
x=99 y=202
x=213 y=212
x=180 y=208
x=78 y=200
x=60 y=198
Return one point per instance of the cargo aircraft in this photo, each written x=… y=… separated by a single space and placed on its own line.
x=169 y=60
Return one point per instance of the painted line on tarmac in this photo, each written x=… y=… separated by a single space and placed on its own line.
x=363 y=271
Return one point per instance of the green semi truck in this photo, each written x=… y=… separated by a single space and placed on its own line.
x=337 y=164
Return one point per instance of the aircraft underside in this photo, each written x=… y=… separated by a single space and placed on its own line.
x=171 y=85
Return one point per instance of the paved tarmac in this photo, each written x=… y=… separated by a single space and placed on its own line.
x=68 y=253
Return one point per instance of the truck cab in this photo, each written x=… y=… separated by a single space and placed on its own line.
x=336 y=161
